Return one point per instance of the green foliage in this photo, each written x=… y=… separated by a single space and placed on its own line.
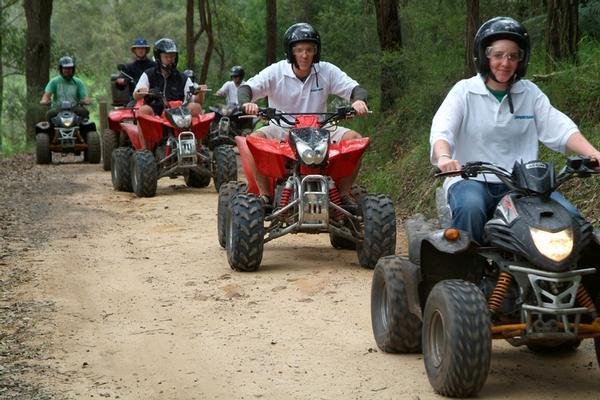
x=99 y=35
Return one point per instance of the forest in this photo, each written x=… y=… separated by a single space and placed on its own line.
x=406 y=53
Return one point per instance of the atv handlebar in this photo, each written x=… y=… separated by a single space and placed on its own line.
x=582 y=167
x=272 y=114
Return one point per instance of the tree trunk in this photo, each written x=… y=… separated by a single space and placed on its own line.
x=562 y=31
x=472 y=24
x=190 y=43
x=206 y=26
x=390 y=41
x=37 y=58
x=271 y=32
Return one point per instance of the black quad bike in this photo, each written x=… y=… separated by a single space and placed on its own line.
x=535 y=281
x=304 y=173
x=65 y=133
x=230 y=121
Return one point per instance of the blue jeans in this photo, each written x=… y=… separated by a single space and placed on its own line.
x=473 y=204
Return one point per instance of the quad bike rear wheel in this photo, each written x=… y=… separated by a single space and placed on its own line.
x=457 y=338
x=226 y=192
x=245 y=233
x=93 y=152
x=43 y=155
x=109 y=143
x=144 y=173
x=197 y=180
x=120 y=170
x=224 y=165
x=395 y=328
x=379 y=229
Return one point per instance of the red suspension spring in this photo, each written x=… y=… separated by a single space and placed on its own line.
x=286 y=193
x=336 y=198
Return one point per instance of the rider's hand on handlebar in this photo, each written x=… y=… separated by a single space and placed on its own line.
x=447 y=164
x=360 y=107
x=596 y=156
x=250 y=108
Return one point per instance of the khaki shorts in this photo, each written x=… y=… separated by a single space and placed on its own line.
x=273 y=131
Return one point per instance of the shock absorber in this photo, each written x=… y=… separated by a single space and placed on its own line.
x=335 y=198
x=497 y=297
x=286 y=194
x=584 y=298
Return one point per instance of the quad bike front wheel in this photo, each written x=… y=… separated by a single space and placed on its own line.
x=395 y=328
x=226 y=192
x=457 y=338
x=43 y=155
x=245 y=233
x=109 y=143
x=224 y=165
x=144 y=173
x=379 y=229
x=120 y=170
x=93 y=152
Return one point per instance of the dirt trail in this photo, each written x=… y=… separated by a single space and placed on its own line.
x=145 y=306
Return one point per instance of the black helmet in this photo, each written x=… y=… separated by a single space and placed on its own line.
x=66 y=62
x=496 y=29
x=165 y=45
x=301 y=32
x=237 y=70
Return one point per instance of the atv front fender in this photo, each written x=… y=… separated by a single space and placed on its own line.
x=442 y=259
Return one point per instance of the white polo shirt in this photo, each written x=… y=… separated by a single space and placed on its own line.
x=287 y=93
x=230 y=91
x=479 y=128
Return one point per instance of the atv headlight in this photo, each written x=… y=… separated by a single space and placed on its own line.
x=182 y=121
x=66 y=121
x=556 y=246
x=312 y=156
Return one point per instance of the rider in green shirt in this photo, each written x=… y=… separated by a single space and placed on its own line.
x=66 y=87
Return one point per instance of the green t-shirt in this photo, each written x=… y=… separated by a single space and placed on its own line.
x=62 y=90
x=499 y=94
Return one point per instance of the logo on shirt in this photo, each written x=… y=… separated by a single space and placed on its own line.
x=317 y=89
x=524 y=117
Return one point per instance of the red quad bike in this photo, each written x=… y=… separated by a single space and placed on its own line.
x=122 y=111
x=304 y=172
x=174 y=147
x=534 y=281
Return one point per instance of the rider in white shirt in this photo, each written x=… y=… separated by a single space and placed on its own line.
x=301 y=83
x=229 y=90
x=497 y=117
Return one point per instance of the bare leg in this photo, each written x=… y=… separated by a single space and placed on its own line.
x=261 y=181
x=195 y=108
x=146 y=110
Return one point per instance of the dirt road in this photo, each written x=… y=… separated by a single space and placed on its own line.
x=134 y=299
